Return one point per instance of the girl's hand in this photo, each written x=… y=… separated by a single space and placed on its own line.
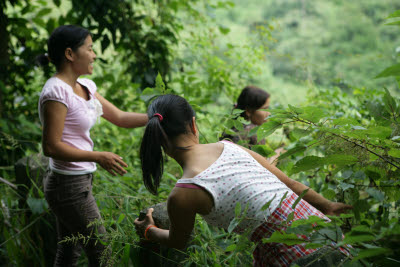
x=142 y=225
x=111 y=162
x=337 y=208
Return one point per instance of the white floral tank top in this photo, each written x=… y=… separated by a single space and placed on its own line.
x=237 y=177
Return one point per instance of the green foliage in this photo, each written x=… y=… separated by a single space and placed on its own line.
x=344 y=142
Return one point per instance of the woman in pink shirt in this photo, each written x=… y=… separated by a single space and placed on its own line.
x=68 y=107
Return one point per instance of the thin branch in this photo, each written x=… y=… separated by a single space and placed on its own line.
x=366 y=148
x=23 y=229
x=13 y=186
x=355 y=143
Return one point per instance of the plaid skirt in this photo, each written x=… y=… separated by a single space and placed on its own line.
x=279 y=254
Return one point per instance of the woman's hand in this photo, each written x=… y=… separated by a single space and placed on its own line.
x=142 y=225
x=111 y=162
x=337 y=208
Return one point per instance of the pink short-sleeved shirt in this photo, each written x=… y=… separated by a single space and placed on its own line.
x=81 y=116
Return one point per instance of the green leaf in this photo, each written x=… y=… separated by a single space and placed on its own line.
x=307 y=163
x=43 y=12
x=125 y=257
x=394 y=14
x=394 y=153
x=340 y=159
x=372 y=252
x=230 y=248
x=238 y=125
x=378 y=195
x=233 y=224
x=282 y=198
x=266 y=205
x=356 y=127
x=253 y=131
x=290 y=217
x=299 y=198
x=345 y=121
x=396 y=138
x=312 y=162
x=297 y=149
x=314 y=245
x=301 y=229
x=310 y=220
x=390 y=71
x=347 y=174
x=295 y=109
x=327 y=234
x=170 y=176
x=121 y=218
x=379 y=132
x=263 y=150
x=160 y=86
x=361 y=205
x=314 y=114
x=299 y=133
x=267 y=129
x=346 y=186
x=329 y=193
x=393 y=23
x=288 y=239
x=37 y=205
x=148 y=94
x=360 y=175
x=224 y=30
x=390 y=103
x=238 y=209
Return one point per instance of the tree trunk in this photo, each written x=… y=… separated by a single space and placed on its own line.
x=4 y=57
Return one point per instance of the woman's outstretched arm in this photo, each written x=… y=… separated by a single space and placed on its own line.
x=318 y=201
x=119 y=117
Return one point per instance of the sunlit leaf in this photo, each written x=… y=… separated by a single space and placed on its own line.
x=390 y=71
x=267 y=129
x=288 y=239
x=263 y=150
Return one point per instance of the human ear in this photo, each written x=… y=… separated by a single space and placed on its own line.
x=69 y=54
x=193 y=127
x=248 y=114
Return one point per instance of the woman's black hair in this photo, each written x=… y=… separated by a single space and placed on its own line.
x=176 y=115
x=66 y=36
x=251 y=98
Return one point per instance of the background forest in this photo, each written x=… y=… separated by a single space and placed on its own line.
x=332 y=68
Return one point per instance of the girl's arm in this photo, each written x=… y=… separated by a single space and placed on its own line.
x=119 y=117
x=318 y=201
x=53 y=125
x=183 y=204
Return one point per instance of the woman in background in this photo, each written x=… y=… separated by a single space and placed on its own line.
x=253 y=101
x=69 y=106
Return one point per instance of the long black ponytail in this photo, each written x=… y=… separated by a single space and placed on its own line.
x=169 y=116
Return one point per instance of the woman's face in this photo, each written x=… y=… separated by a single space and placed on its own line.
x=84 y=57
x=259 y=116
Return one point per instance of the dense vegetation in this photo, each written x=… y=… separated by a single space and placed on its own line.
x=341 y=128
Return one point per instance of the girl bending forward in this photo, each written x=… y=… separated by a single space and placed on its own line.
x=215 y=178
